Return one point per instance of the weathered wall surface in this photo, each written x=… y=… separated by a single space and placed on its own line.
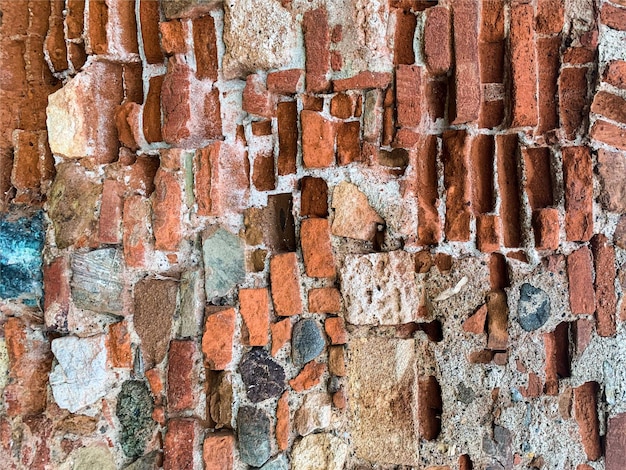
x=313 y=234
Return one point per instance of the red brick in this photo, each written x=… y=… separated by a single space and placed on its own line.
x=287 y=113
x=582 y=298
x=614 y=17
x=363 y=80
x=558 y=361
x=583 y=333
x=204 y=159
x=30 y=361
x=578 y=181
x=546 y=229
x=578 y=55
x=230 y=177
x=205 y=47
x=609 y=133
x=429 y=408
x=606 y=300
x=312 y=103
x=497 y=320
x=263 y=176
x=534 y=388
x=437 y=34
x=498 y=273
x=615 y=73
x=77 y=55
x=491 y=114
x=167 y=208
x=465 y=463
x=173 y=37
x=492 y=21
x=549 y=18
x=317 y=250
x=316 y=45
x=612 y=168
x=152 y=111
x=488 y=233
x=56 y=288
x=406 y=139
x=217 y=450
x=456 y=167
x=149 y=17
x=408 y=95
x=175 y=99
x=348 y=142
x=30 y=154
x=179 y=444
x=283 y=422
x=254 y=308
x=586 y=413
x=181 y=376
x=74 y=18
x=314 y=197
x=122 y=21
x=97 y=29
x=466 y=71
x=506 y=154
x=389 y=124
x=524 y=66
x=482 y=159
x=476 y=322
x=55 y=39
x=256 y=99
x=118 y=347
x=548 y=65
x=285 y=82
x=403 y=38
x=429 y=227
x=318 y=140
x=491 y=62
x=610 y=106
x=336 y=60
x=137 y=239
x=126 y=123
x=309 y=376
x=616 y=442
x=572 y=99
x=324 y=300
x=538 y=177
x=281 y=333
x=110 y=223
x=336 y=330
x=341 y=106
x=285 y=282
x=217 y=340
x=261 y=127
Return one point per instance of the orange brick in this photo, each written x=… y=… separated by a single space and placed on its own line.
x=324 y=300
x=217 y=340
x=317 y=251
x=285 y=283
x=254 y=308
x=336 y=330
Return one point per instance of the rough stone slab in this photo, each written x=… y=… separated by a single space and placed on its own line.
x=380 y=288
x=224 y=263
x=80 y=377
x=97 y=280
x=253 y=429
x=354 y=217
x=321 y=451
x=383 y=396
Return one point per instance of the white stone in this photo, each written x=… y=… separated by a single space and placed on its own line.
x=80 y=378
x=313 y=414
x=319 y=452
x=380 y=288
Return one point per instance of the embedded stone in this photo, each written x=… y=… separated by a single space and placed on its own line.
x=321 y=451
x=253 y=431
x=263 y=377
x=80 y=378
x=97 y=280
x=313 y=414
x=533 y=308
x=134 y=411
x=307 y=341
x=221 y=400
x=147 y=462
x=354 y=217
x=277 y=463
x=224 y=263
x=380 y=288
x=97 y=456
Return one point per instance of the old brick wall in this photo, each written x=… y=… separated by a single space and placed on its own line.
x=313 y=234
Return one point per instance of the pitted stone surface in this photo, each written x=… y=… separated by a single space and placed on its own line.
x=134 y=410
x=533 y=307
x=321 y=451
x=380 y=288
x=253 y=430
x=263 y=377
x=307 y=341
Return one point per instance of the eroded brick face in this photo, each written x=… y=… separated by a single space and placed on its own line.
x=311 y=236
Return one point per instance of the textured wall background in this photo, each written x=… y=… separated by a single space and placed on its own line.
x=313 y=234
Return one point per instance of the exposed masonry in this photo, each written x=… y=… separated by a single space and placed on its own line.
x=313 y=235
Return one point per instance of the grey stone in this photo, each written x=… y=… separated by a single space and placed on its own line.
x=321 y=451
x=313 y=414
x=253 y=431
x=134 y=411
x=533 y=308
x=191 y=303
x=80 y=378
x=97 y=280
x=465 y=394
x=263 y=377
x=90 y=458
x=149 y=461
x=277 y=463
x=307 y=341
x=224 y=263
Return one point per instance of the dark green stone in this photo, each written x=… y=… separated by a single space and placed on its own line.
x=134 y=411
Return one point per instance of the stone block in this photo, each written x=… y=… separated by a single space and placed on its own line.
x=97 y=280
x=224 y=262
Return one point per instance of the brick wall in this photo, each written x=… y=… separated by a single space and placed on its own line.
x=313 y=234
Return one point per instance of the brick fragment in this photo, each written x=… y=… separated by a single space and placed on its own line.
x=181 y=377
x=476 y=322
x=534 y=387
x=74 y=18
x=615 y=458
x=324 y=300
x=429 y=407
x=403 y=37
x=466 y=71
x=578 y=55
x=363 y=80
x=538 y=177
x=283 y=422
x=611 y=169
x=606 y=300
x=204 y=159
x=349 y=142
x=179 y=444
x=408 y=95
x=583 y=330
x=318 y=140
x=287 y=114
x=524 y=66
x=340 y=400
x=281 y=333
x=263 y=176
x=97 y=29
x=572 y=99
x=558 y=361
x=316 y=46
x=167 y=207
x=256 y=99
x=482 y=159
x=507 y=157
x=137 y=238
x=314 y=199
x=217 y=450
x=465 y=463
x=586 y=413
x=56 y=287
x=615 y=74
x=341 y=106
x=498 y=274
x=492 y=21
x=285 y=82
x=491 y=62
x=205 y=47
x=579 y=273
x=609 y=134
x=152 y=110
x=119 y=352
x=613 y=16
x=173 y=40
x=546 y=229
x=254 y=308
x=491 y=114
x=610 y=106
x=335 y=328
x=317 y=250
x=548 y=64
x=428 y=228
x=285 y=282
x=497 y=320
x=309 y=376
x=578 y=181
x=437 y=48
x=110 y=222
x=456 y=167
x=488 y=233
x=337 y=361
x=149 y=18
x=549 y=18
x=217 y=339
